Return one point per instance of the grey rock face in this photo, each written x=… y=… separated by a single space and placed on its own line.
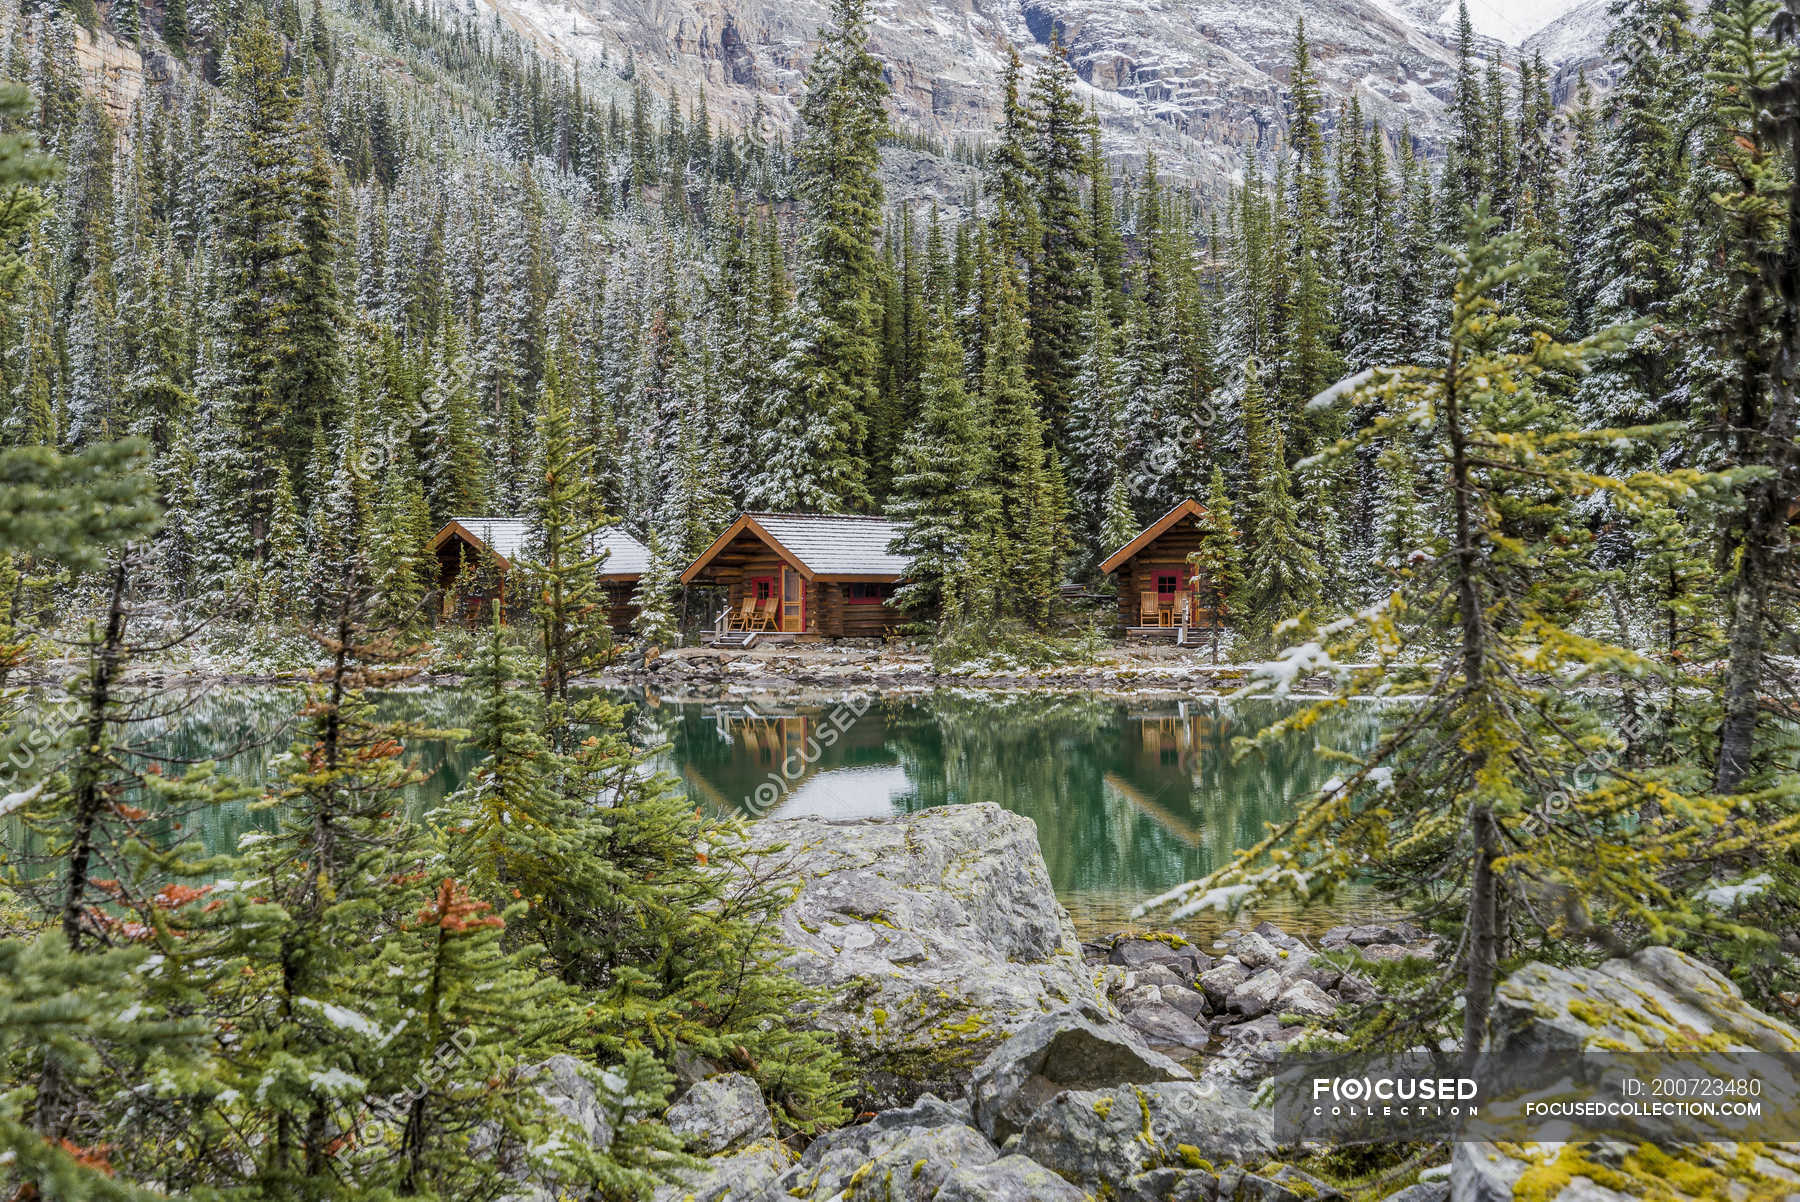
x=1256 y=996
x=1009 y=1179
x=1655 y=998
x=740 y=1177
x=1098 y=1137
x=1305 y=999
x=1196 y=82
x=1220 y=980
x=910 y=1163
x=933 y=938
x=1076 y=1048
x=1254 y=951
x=1170 y=1185
x=1424 y=1191
x=720 y=1113
x=1163 y=1026
x=572 y=1087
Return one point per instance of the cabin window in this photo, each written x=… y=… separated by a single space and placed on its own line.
x=866 y=594
x=762 y=587
x=1167 y=584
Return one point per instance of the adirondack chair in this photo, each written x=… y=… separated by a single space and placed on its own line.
x=742 y=619
x=767 y=613
x=1150 y=611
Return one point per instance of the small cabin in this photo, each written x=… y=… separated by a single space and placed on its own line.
x=476 y=554
x=801 y=576
x=1156 y=594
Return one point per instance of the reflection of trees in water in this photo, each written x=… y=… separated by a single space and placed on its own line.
x=244 y=729
x=1128 y=797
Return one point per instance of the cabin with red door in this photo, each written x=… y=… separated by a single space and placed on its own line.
x=475 y=555
x=795 y=577
x=1156 y=593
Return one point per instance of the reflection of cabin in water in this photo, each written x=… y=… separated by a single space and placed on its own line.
x=1157 y=599
x=1161 y=754
x=476 y=555
x=776 y=753
x=801 y=576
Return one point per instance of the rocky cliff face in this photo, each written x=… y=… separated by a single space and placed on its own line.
x=1196 y=81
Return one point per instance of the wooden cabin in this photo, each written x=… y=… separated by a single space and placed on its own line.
x=801 y=576
x=1156 y=595
x=476 y=554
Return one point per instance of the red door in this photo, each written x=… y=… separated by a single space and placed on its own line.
x=1169 y=593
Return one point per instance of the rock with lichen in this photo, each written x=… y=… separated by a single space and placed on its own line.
x=930 y=939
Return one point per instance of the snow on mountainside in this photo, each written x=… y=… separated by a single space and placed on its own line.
x=1509 y=21
x=1199 y=82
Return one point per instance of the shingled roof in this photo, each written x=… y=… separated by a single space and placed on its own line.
x=505 y=537
x=828 y=546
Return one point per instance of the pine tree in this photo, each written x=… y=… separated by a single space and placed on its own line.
x=940 y=497
x=1633 y=269
x=627 y=896
x=1217 y=567
x=654 y=625
x=1282 y=575
x=1496 y=792
x=1311 y=362
x=257 y=272
x=562 y=562
x=829 y=376
x=1059 y=286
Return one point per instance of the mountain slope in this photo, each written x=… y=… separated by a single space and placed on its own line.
x=1196 y=81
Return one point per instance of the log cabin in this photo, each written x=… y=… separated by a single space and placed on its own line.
x=799 y=577
x=476 y=554
x=1156 y=594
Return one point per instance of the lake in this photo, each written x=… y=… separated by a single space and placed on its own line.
x=1130 y=798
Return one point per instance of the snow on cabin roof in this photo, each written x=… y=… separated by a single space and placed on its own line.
x=836 y=544
x=505 y=537
x=829 y=546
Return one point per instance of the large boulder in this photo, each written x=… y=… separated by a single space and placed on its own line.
x=1079 y=1047
x=719 y=1113
x=931 y=938
x=903 y=1156
x=1009 y=1179
x=1658 y=1000
x=740 y=1176
x=1095 y=1138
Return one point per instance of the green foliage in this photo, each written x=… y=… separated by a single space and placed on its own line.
x=628 y=891
x=1495 y=792
x=654 y=597
x=1218 y=566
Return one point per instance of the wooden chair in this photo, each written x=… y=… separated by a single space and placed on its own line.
x=741 y=620
x=767 y=613
x=1149 y=610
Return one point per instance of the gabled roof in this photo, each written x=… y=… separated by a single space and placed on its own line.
x=504 y=538
x=820 y=546
x=1152 y=532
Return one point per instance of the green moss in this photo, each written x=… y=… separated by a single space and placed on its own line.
x=1190 y=1156
x=1103 y=1106
x=1146 y=1136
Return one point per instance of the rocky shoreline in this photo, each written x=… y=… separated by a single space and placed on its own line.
x=999 y=1059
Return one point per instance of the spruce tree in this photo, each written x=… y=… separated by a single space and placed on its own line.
x=1282 y=575
x=1217 y=567
x=654 y=625
x=829 y=376
x=941 y=498
x=562 y=559
x=1488 y=795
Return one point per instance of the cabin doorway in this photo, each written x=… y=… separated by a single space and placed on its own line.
x=793 y=601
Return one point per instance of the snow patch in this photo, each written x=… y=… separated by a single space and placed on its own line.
x=1724 y=897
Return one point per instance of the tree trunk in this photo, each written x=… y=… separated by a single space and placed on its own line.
x=1483 y=917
